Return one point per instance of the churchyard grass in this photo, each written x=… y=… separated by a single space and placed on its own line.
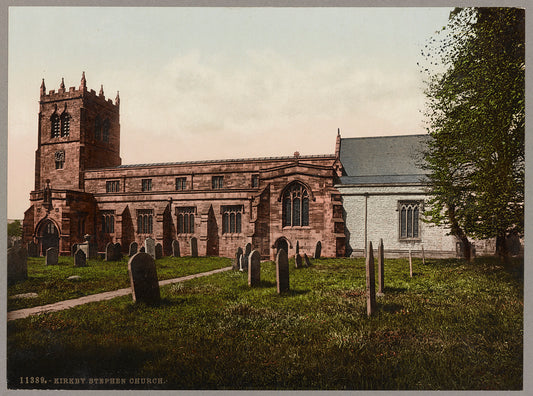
x=51 y=283
x=452 y=326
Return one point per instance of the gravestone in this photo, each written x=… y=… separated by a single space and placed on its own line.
x=149 y=247
x=91 y=248
x=134 y=246
x=238 y=255
x=297 y=247
x=80 y=259
x=246 y=256
x=142 y=250
x=109 y=252
x=175 y=248
x=51 y=256
x=282 y=271
x=381 y=268
x=73 y=249
x=298 y=261
x=143 y=279
x=17 y=264
x=118 y=252
x=318 y=249
x=254 y=269
x=307 y=261
x=194 y=247
x=241 y=263
x=33 y=249
x=370 y=282
x=158 y=251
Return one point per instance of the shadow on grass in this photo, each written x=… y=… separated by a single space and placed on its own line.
x=390 y=308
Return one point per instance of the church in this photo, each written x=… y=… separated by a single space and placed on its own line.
x=367 y=189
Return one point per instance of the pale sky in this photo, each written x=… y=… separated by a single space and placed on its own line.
x=216 y=83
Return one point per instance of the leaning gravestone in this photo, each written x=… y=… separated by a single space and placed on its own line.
x=238 y=255
x=307 y=261
x=134 y=246
x=17 y=264
x=175 y=248
x=109 y=252
x=254 y=269
x=370 y=282
x=33 y=249
x=73 y=249
x=381 y=268
x=194 y=247
x=298 y=261
x=80 y=260
x=158 y=251
x=51 y=256
x=118 y=251
x=318 y=249
x=282 y=271
x=149 y=246
x=143 y=279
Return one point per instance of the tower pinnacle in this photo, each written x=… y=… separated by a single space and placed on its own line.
x=83 y=84
x=43 y=88
x=117 y=99
x=101 y=93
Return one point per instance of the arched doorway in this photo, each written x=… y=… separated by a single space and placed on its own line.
x=48 y=236
x=282 y=243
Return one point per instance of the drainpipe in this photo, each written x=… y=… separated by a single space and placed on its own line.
x=366 y=223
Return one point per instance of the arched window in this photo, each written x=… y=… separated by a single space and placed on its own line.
x=56 y=125
x=97 y=128
x=145 y=221
x=295 y=206
x=409 y=219
x=65 y=124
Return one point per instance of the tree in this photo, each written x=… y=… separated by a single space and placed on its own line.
x=14 y=229
x=476 y=120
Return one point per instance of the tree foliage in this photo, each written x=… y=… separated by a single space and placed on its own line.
x=476 y=119
x=14 y=229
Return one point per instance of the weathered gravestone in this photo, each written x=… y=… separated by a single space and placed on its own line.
x=158 y=251
x=149 y=247
x=318 y=249
x=381 y=268
x=143 y=279
x=298 y=261
x=118 y=251
x=254 y=269
x=17 y=264
x=51 y=256
x=297 y=247
x=33 y=249
x=175 y=248
x=282 y=271
x=134 y=246
x=73 y=249
x=91 y=249
x=246 y=256
x=80 y=259
x=194 y=247
x=237 y=264
x=109 y=252
x=142 y=250
x=370 y=281
x=307 y=261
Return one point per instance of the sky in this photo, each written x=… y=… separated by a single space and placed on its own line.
x=216 y=83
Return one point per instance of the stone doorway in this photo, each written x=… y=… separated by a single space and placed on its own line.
x=282 y=243
x=48 y=236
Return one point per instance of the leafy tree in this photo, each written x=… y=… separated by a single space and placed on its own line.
x=14 y=229
x=476 y=119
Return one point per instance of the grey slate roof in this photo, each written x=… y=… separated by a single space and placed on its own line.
x=382 y=160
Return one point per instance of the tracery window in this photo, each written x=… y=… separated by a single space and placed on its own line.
x=108 y=221
x=56 y=125
x=295 y=206
x=65 y=124
x=231 y=219
x=185 y=220
x=409 y=221
x=145 y=219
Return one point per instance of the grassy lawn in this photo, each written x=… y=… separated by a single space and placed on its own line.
x=51 y=283
x=452 y=326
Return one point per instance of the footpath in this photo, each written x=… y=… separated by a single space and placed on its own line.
x=61 y=305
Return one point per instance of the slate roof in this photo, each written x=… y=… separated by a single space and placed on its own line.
x=383 y=159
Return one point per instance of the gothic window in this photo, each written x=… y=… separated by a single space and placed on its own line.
x=185 y=220
x=112 y=186
x=56 y=125
x=231 y=219
x=146 y=184
x=217 y=182
x=181 y=183
x=409 y=219
x=65 y=124
x=97 y=128
x=145 y=219
x=59 y=157
x=255 y=180
x=108 y=221
x=105 y=131
x=295 y=206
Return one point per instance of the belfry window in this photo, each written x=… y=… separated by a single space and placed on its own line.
x=65 y=124
x=145 y=219
x=56 y=125
x=97 y=128
x=185 y=220
x=231 y=219
x=409 y=212
x=295 y=206
x=105 y=131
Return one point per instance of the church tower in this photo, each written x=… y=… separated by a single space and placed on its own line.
x=78 y=130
